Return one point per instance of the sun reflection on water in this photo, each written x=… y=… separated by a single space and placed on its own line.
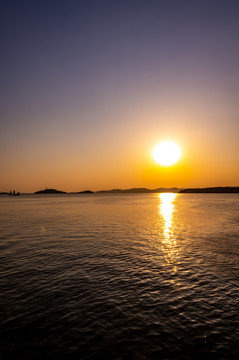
x=166 y=210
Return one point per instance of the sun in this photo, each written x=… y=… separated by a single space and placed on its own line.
x=166 y=153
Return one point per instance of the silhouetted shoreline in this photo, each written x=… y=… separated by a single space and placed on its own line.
x=225 y=189
x=140 y=190
x=219 y=189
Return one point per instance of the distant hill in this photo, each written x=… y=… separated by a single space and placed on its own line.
x=82 y=192
x=225 y=189
x=86 y=192
x=141 y=190
x=50 y=191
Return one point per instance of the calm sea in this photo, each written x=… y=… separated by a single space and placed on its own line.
x=139 y=276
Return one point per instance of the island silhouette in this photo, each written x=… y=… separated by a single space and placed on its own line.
x=224 y=189
x=49 y=191
x=82 y=192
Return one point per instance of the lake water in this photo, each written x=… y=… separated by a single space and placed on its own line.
x=139 y=276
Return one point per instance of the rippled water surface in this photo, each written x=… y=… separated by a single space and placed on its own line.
x=135 y=276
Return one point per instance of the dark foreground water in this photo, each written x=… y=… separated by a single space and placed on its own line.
x=119 y=276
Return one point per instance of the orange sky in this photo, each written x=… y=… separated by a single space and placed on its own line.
x=120 y=156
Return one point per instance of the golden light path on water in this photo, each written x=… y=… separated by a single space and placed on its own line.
x=166 y=210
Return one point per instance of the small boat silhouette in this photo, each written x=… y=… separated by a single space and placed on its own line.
x=13 y=193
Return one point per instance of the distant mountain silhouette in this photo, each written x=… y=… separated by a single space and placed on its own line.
x=50 y=191
x=83 y=192
x=86 y=192
x=141 y=190
x=224 y=189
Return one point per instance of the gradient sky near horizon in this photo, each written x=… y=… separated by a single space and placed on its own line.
x=88 y=88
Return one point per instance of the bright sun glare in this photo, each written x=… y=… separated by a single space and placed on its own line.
x=166 y=153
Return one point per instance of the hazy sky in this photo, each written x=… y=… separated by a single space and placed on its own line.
x=88 y=88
